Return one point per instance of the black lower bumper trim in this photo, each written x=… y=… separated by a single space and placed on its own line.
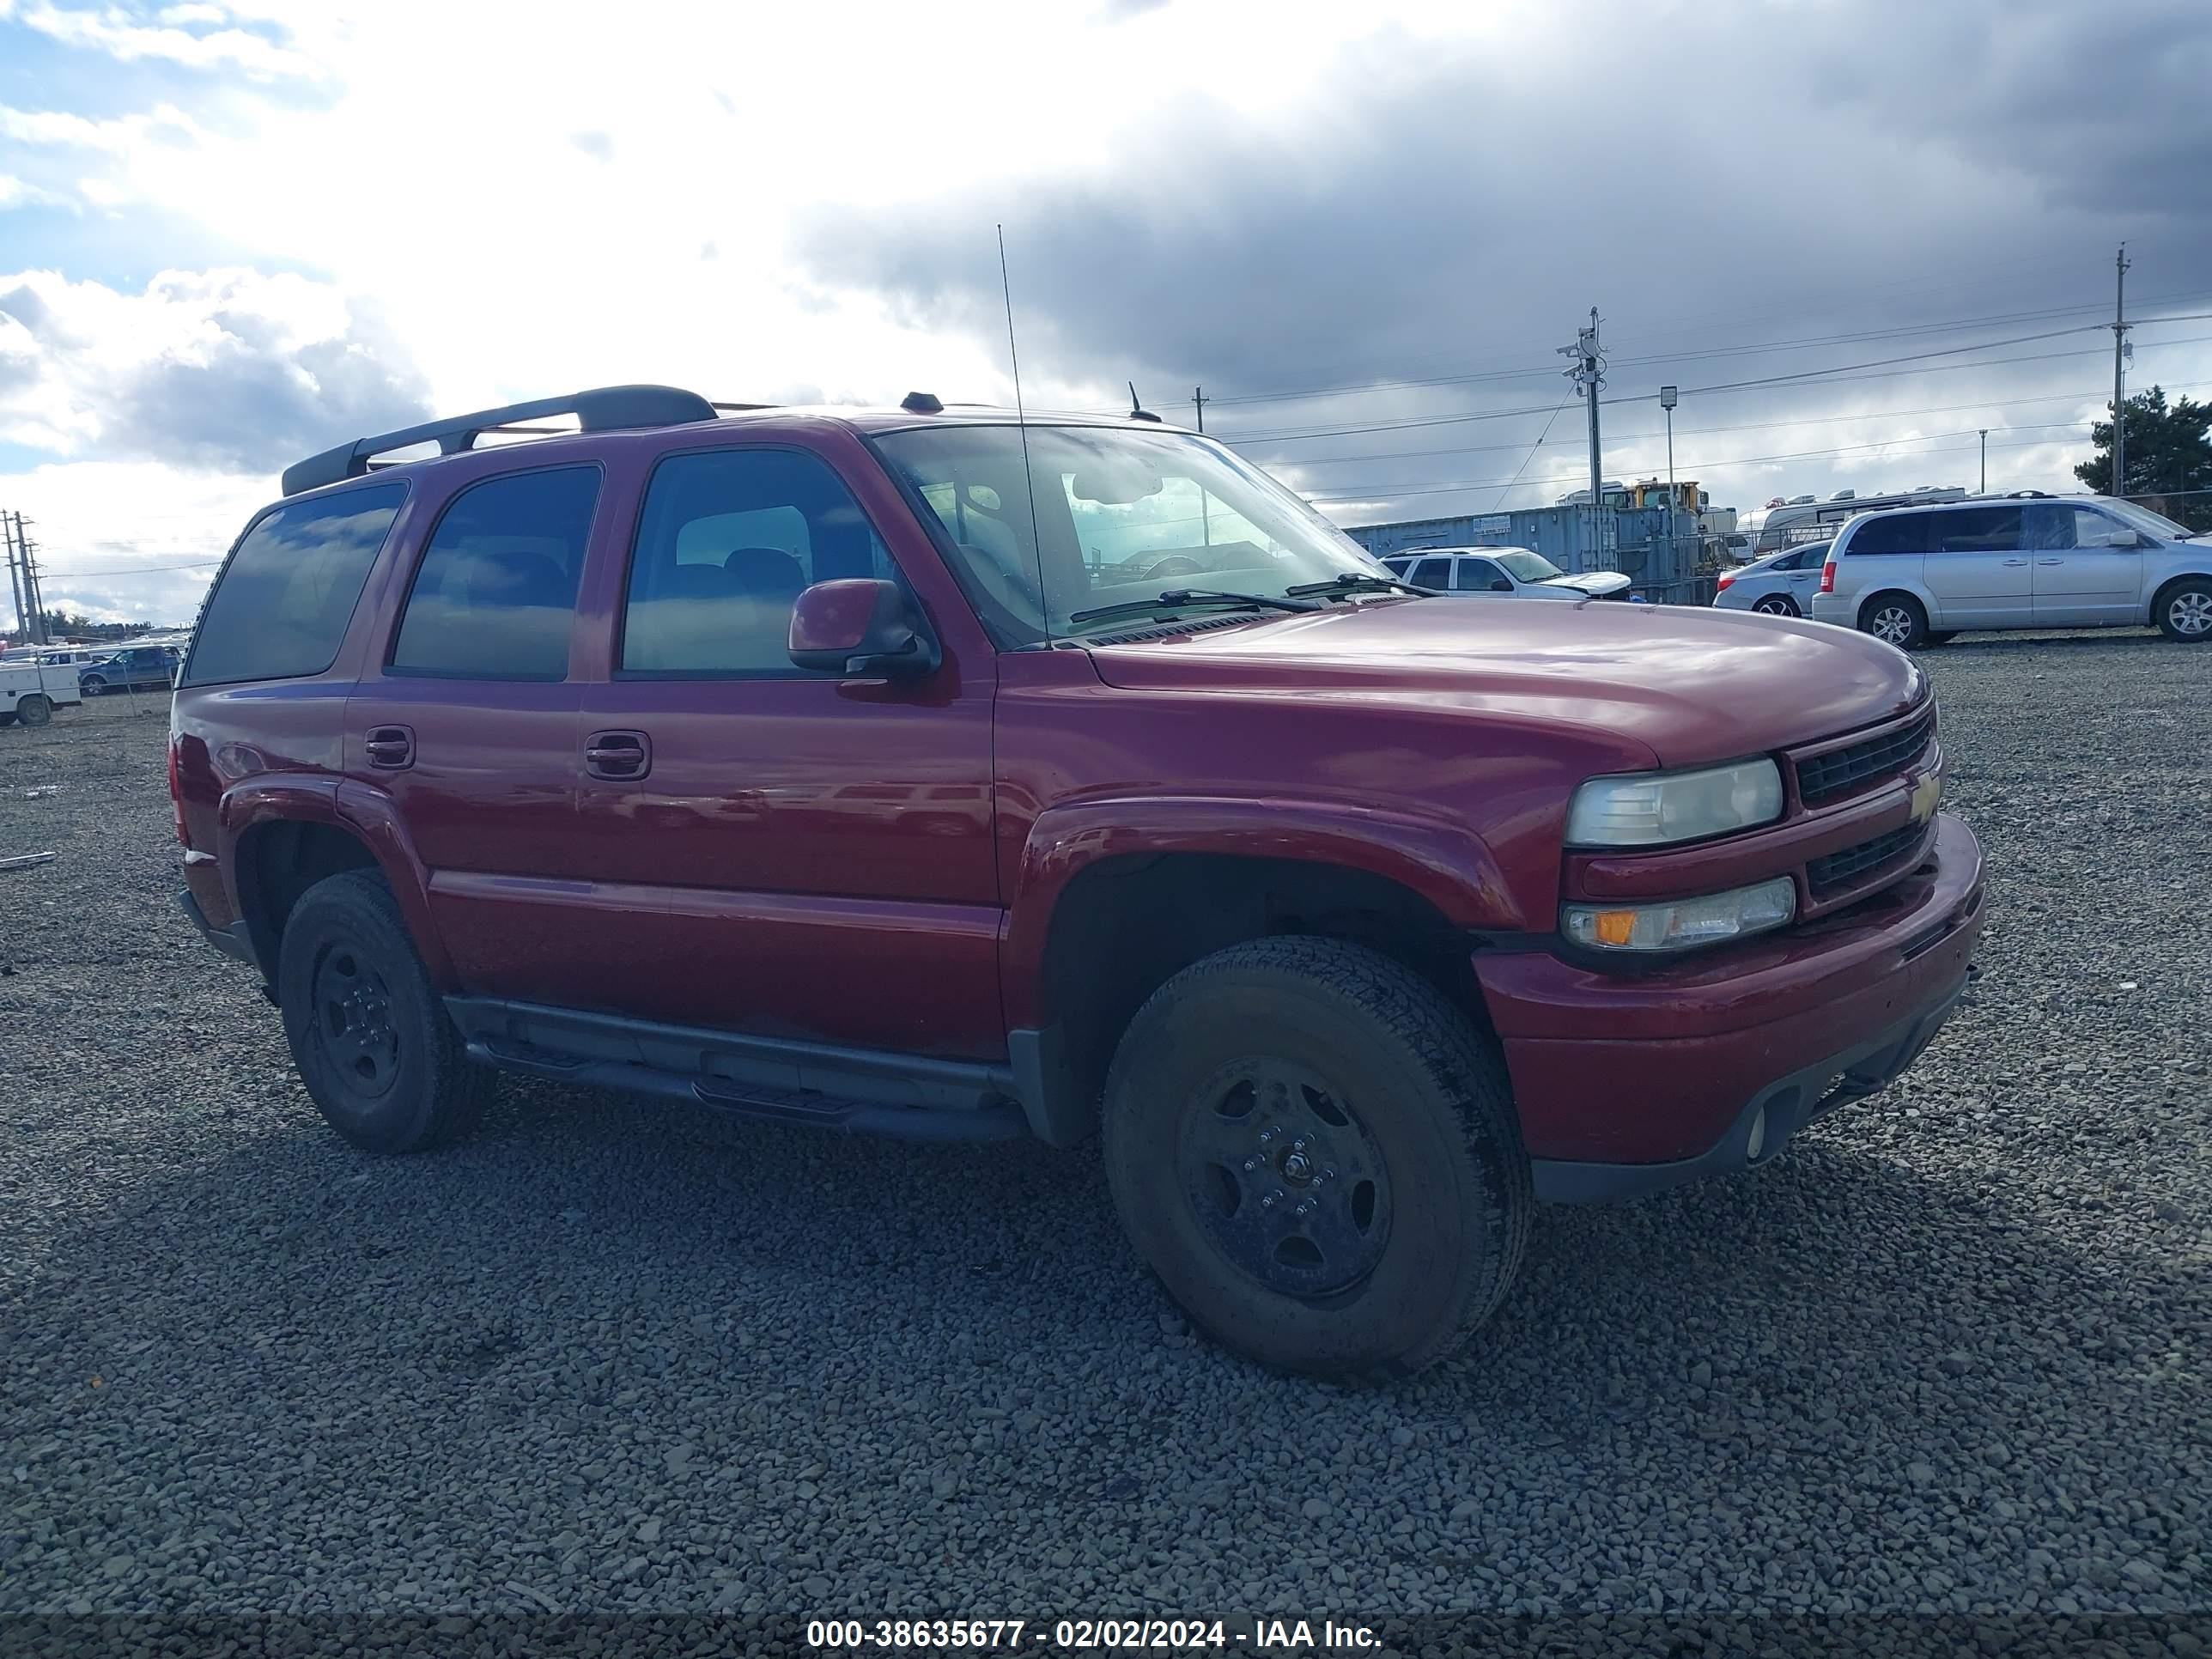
x=231 y=941
x=1767 y=1119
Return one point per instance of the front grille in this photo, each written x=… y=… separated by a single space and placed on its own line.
x=1839 y=870
x=1843 y=771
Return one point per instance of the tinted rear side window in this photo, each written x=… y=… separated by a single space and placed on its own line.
x=280 y=610
x=1978 y=530
x=1431 y=573
x=495 y=594
x=1905 y=533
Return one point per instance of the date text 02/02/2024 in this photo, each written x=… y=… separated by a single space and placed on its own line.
x=1282 y=1635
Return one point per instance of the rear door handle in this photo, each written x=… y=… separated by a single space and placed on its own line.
x=390 y=748
x=2050 y=561
x=2016 y=560
x=621 y=756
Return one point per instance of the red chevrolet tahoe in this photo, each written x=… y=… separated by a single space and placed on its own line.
x=941 y=773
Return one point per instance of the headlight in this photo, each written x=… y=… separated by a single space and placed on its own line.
x=1653 y=809
x=1679 y=925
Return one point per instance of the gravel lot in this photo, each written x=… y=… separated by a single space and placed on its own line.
x=1951 y=1354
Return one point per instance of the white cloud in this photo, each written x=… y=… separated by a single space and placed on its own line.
x=113 y=32
x=224 y=368
x=129 y=540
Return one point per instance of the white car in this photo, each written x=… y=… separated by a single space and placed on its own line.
x=1504 y=572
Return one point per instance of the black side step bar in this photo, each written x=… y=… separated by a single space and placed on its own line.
x=768 y=1079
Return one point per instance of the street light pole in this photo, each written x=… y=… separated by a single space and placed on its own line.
x=1985 y=460
x=1667 y=403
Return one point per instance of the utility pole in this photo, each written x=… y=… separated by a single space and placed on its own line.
x=1198 y=402
x=15 y=582
x=2119 y=376
x=1985 y=460
x=36 y=600
x=1588 y=375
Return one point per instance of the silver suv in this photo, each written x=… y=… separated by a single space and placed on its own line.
x=1917 y=576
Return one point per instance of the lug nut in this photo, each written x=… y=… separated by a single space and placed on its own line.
x=1300 y=1144
x=1251 y=1163
x=1268 y=1203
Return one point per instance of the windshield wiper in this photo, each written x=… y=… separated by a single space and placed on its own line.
x=1178 y=599
x=1359 y=581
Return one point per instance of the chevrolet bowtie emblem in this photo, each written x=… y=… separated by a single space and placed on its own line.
x=1925 y=794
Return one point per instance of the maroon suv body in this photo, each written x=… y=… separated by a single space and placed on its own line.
x=777 y=760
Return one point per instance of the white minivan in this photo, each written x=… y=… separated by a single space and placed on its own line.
x=1917 y=575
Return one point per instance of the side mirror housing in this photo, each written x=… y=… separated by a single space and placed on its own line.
x=863 y=629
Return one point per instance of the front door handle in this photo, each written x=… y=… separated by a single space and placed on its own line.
x=2016 y=560
x=620 y=757
x=390 y=748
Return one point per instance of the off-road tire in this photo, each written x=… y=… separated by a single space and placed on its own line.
x=1911 y=632
x=421 y=1090
x=1419 y=1084
x=2180 y=609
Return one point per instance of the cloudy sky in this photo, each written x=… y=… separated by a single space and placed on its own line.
x=234 y=232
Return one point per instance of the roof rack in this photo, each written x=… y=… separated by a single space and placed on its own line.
x=603 y=408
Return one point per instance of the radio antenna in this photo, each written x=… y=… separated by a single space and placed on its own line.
x=1021 y=425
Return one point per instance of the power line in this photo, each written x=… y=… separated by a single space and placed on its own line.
x=1847 y=372
x=1754 y=349
x=1348 y=493
x=141 y=570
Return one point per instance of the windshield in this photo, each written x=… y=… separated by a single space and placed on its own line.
x=2144 y=520
x=1529 y=567
x=1118 y=515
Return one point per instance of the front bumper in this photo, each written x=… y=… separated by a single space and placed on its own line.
x=1630 y=1083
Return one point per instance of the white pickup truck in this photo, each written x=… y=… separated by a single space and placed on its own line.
x=31 y=690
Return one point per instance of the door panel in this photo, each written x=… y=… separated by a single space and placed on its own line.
x=803 y=857
x=467 y=723
x=2082 y=580
x=1978 y=570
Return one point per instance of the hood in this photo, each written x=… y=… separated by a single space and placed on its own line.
x=1598 y=584
x=1691 y=684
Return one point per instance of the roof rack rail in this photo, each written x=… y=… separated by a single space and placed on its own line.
x=603 y=408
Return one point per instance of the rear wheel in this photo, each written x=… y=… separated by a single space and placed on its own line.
x=34 y=710
x=1776 y=605
x=2184 y=611
x=1895 y=619
x=1318 y=1155
x=370 y=1037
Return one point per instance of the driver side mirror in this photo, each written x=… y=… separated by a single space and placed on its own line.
x=863 y=629
x=1500 y=584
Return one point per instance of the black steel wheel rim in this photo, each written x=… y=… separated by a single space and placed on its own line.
x=352 y=1010
x=1283 y=1179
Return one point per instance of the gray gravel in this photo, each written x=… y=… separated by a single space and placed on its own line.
x=1951 y=1354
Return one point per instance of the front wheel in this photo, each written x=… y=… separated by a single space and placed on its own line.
x=34 y=710
x=1895 y=619
x=370 y=1037
x=92 y=685
x=2184 y=611
x=1319 y=1157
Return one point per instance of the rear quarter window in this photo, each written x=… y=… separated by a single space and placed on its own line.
x=1907 y=532
x=280 y=609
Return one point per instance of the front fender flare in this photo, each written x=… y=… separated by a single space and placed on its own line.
x=1439 y=859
